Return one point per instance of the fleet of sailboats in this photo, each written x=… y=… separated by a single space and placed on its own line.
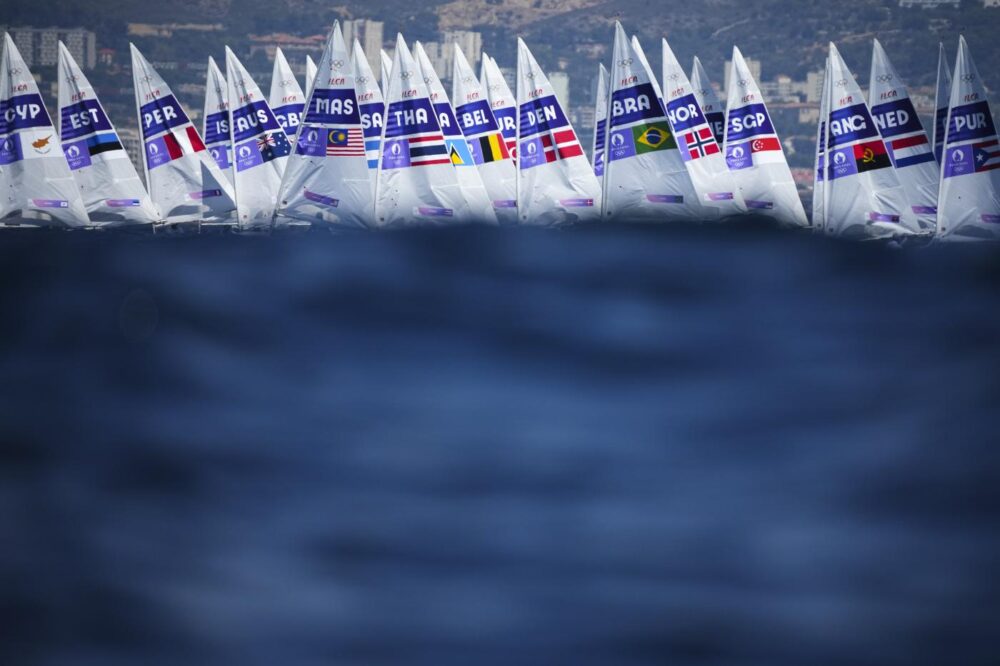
x=354 y=151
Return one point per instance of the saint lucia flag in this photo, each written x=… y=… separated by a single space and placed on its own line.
x=458 y=151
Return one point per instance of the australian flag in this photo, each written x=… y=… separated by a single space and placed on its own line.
x=273 y=145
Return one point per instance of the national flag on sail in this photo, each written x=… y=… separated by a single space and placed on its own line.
x=460 y=152
x=741 y=155
x=415 y=151
x=870 y=156
x=699 y=143
x=549 y=147
x=910 y=150
x=348 y=142
x=652 y=137
x=489 y=148
x=975 y=158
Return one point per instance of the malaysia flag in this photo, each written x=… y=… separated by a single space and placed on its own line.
x=910 y=150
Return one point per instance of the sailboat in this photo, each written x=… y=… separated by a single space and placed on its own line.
x=385 y=62
x=310 y=74
x=969 y=206
x=260 y=148
x=459 y=151
x=644 y=174
x=502 y=102
x=216 y=120
x=862 y=195
x=911 y=152
x=183 y=179
x=417 y=184
x=486 y=143
x=754 y=153
x=327 y=178
x=819 y=173
x=700 y=151
x=708 y=100
x=556 y=183
x=942 y=97
x=371 y=106
x=36 y=186
x=109 y=185
x=600 y=121
x=286 y=99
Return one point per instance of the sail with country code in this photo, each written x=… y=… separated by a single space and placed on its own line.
x=260 y=148
x=417 y=183
x=556 y=183
x=286 y=98
x=709 y=100
x=371 y=108
x=754 y=153
x=942 y=98
x=459 y=150
x=183 y=180
x=486 y=143
x=600 y=121
x=862 y=193
x=644 y=175
x=910 y=150
x=327 y=181
x=36 y=184
x=502 y=102
x=700 y=151
x=109 y=185
x=215 y=129
x=969 y=204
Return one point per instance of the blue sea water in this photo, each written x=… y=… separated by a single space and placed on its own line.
x=617 y=445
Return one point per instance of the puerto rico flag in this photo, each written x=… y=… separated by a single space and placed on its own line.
x=910 y=150
x=549 y=147
x=974 y=158
x=698 y=143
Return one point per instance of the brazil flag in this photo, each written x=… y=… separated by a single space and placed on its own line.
x=652 y=137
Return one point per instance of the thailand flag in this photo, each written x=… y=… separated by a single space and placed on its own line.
x=910 y=150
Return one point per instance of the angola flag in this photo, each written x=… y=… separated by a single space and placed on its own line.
x=652 y=137
x=870 y=156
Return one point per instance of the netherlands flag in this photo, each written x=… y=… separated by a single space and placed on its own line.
x=910 y=150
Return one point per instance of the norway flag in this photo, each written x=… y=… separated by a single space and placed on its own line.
x=699 y=143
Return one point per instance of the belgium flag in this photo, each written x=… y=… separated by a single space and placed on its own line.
x=493 y=148
x=652 y=137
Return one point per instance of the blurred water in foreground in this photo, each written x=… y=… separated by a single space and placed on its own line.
x=605 y=446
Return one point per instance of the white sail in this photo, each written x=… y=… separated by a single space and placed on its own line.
x=701 y=152
x=754 y=153
x=862 y=192
x=385 y=64
x=286 y=99
x=597 y=155
x=215 y=128
x=969 y=206
x=909 y=148
x=556 y=184
x=708 y=100
x=417 y=183
x=644 y=173
x=486 y=143
x=822 y=138
x=502 y=102
x=459 y=151
x=310 y=74
x=942 y=97
x=109 y=185
x=36 y=185
x=183 y=179
x=260 y=147
x=326 y=179
x=371 y=106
